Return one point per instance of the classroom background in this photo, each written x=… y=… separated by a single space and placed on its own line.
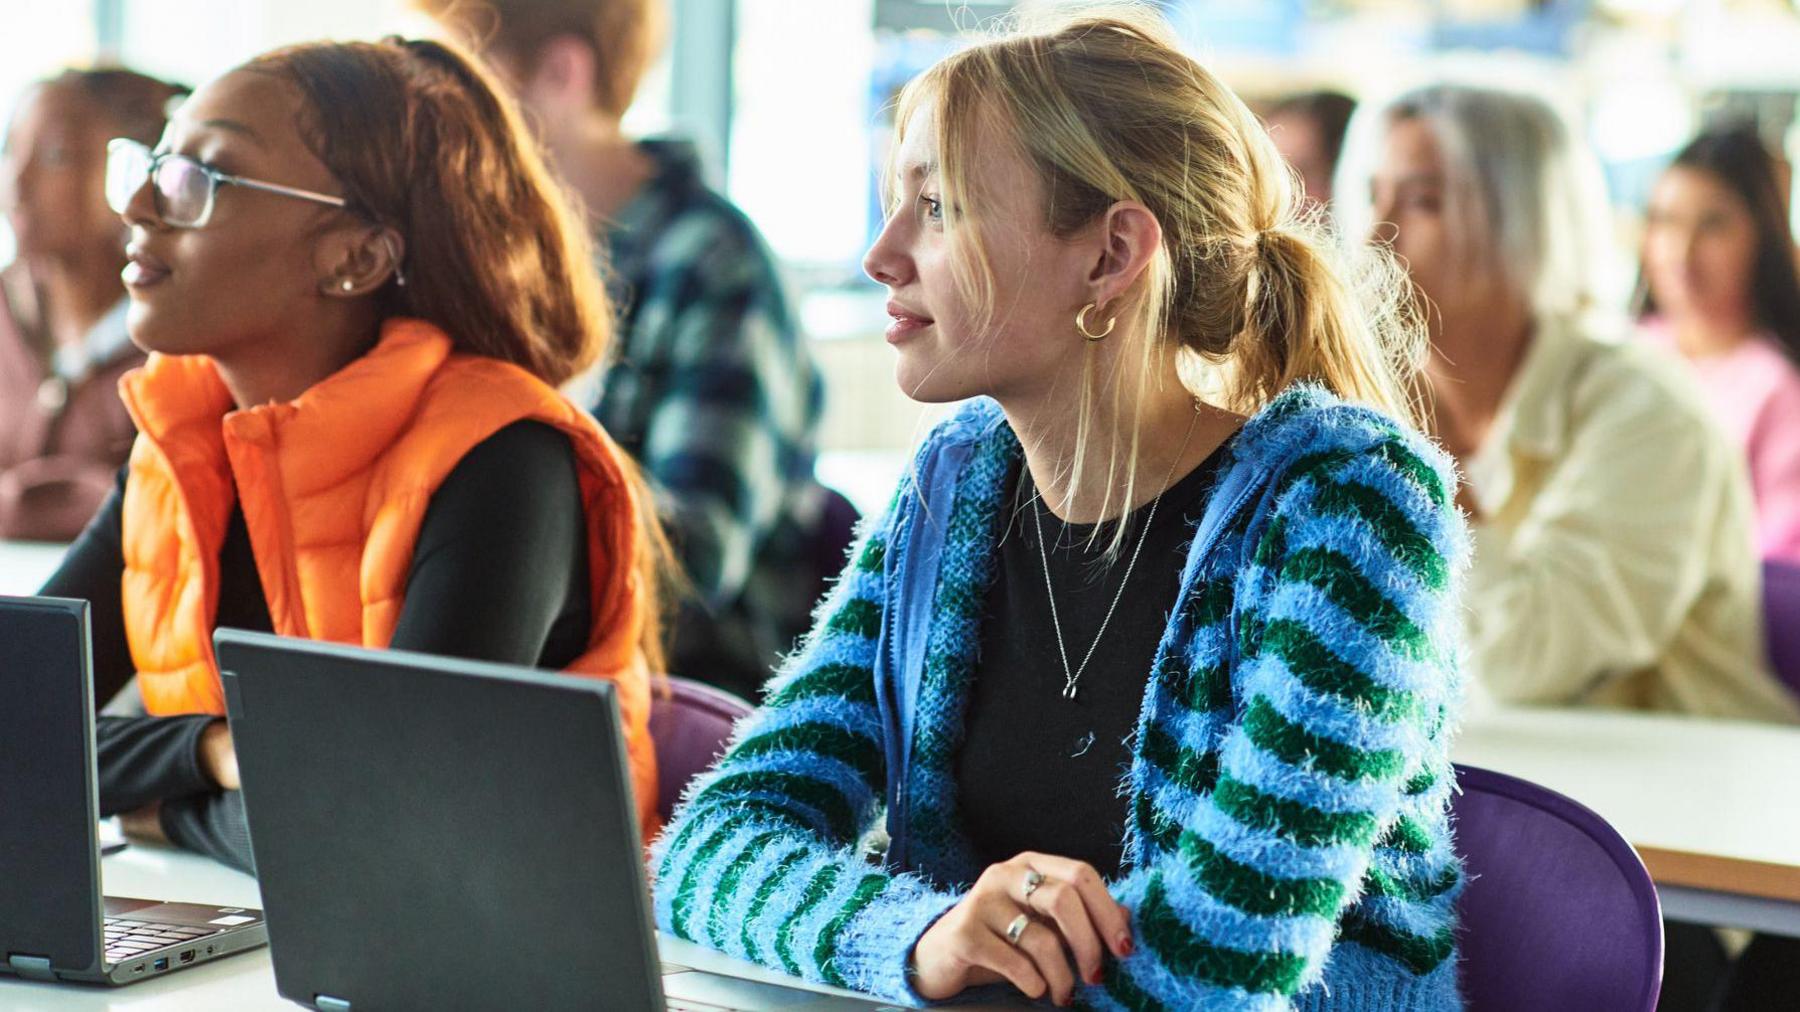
x=789 y=104
x=796 y=142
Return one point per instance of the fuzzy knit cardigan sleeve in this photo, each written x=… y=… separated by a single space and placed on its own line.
x=1334 y=731
x=1315 y=830
x=761 y=862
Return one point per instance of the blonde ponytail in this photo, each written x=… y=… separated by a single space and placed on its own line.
x=1306 y=324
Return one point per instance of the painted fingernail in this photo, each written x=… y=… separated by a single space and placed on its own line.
x=1125 y=946
x=1094 y=977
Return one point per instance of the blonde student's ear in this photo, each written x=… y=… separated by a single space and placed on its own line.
x=1126 y=238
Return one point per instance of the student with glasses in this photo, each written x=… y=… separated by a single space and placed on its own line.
x=359 y=289
x=1150 y=665
x=63 y=345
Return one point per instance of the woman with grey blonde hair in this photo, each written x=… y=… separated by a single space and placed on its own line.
x=1148 y=671
x=1613 y=555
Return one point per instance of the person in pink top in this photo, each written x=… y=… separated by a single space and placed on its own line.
x=1719 y=286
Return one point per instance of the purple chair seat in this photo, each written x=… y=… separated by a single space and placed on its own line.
x=1558 y=911
x=689 y=727
x=1781 y=619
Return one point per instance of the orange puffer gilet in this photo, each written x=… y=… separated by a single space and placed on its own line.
x=334 y=487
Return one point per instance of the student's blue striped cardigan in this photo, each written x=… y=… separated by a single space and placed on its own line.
x=1288 y=843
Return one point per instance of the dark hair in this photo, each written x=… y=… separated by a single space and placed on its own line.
x=1736 y=157
x=625 y=35
x=137 y=104
x=423 y=142
x=1330 y=112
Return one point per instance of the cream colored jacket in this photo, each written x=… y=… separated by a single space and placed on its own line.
x=1615 y=563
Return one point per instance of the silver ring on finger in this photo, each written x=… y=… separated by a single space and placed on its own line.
x=1033 y=879
x=1017 y=928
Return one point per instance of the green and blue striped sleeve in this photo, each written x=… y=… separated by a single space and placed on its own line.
x=1307 y=838
x=761 y=861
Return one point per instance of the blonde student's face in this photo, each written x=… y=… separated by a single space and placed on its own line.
x=948 y=347
x=1699 y=246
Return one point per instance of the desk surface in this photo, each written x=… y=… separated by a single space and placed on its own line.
x=25 y=565
x=245 y=981
x=1709 y=804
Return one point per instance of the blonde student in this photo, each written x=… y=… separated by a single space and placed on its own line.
x=1148 y=671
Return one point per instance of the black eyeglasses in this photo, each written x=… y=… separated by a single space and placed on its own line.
x=182 y=188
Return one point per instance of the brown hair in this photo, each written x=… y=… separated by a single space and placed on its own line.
x=625 y=35
x=1736 y=157
x=136 y=105
x=423 y=142
x=1329 y=111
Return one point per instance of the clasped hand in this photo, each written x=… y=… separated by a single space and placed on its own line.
x=1069 y=923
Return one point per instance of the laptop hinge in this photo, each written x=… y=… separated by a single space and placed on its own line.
x=326 y=1003
x=31 y=967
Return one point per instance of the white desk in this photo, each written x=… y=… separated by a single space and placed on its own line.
x=1710 y=805
x=25 y=565
x=246 y=981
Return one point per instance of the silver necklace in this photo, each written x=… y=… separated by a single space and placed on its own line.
x=1072 y=678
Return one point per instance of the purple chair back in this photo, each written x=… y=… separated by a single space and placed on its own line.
x=835 y=534
x=1558 y=911
x=689 y=726
x=1781 y=619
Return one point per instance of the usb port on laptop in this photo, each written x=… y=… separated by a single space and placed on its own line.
x=161 y=964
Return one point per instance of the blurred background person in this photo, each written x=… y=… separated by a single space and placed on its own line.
x=713 y=389
x=1308 y=130
x=1614 y=561
x=63 y=345
x=1718 y=285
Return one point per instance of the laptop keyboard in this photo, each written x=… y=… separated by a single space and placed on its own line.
x=128 y=939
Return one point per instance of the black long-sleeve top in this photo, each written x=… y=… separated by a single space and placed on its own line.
x=1027 y=752
x=499 y=573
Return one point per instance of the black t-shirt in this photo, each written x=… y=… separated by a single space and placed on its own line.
x=1036 y=771
x=499 y=573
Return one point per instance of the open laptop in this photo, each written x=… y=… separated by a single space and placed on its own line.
x=54 y=924
x=437 y=833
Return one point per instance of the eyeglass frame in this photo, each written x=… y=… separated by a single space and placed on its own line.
x=215 y=179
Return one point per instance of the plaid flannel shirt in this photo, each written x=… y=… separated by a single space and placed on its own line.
x=717 y=396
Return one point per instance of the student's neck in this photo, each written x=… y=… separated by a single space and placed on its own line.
x=1698 y=336
x=282 y=367
x=595 y=158
x=74 y=292
x=1475 y=355
x=1176 y=433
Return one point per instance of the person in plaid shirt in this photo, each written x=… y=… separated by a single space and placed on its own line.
x=714 y=391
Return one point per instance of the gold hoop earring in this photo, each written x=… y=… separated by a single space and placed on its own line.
x=1081 y=324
